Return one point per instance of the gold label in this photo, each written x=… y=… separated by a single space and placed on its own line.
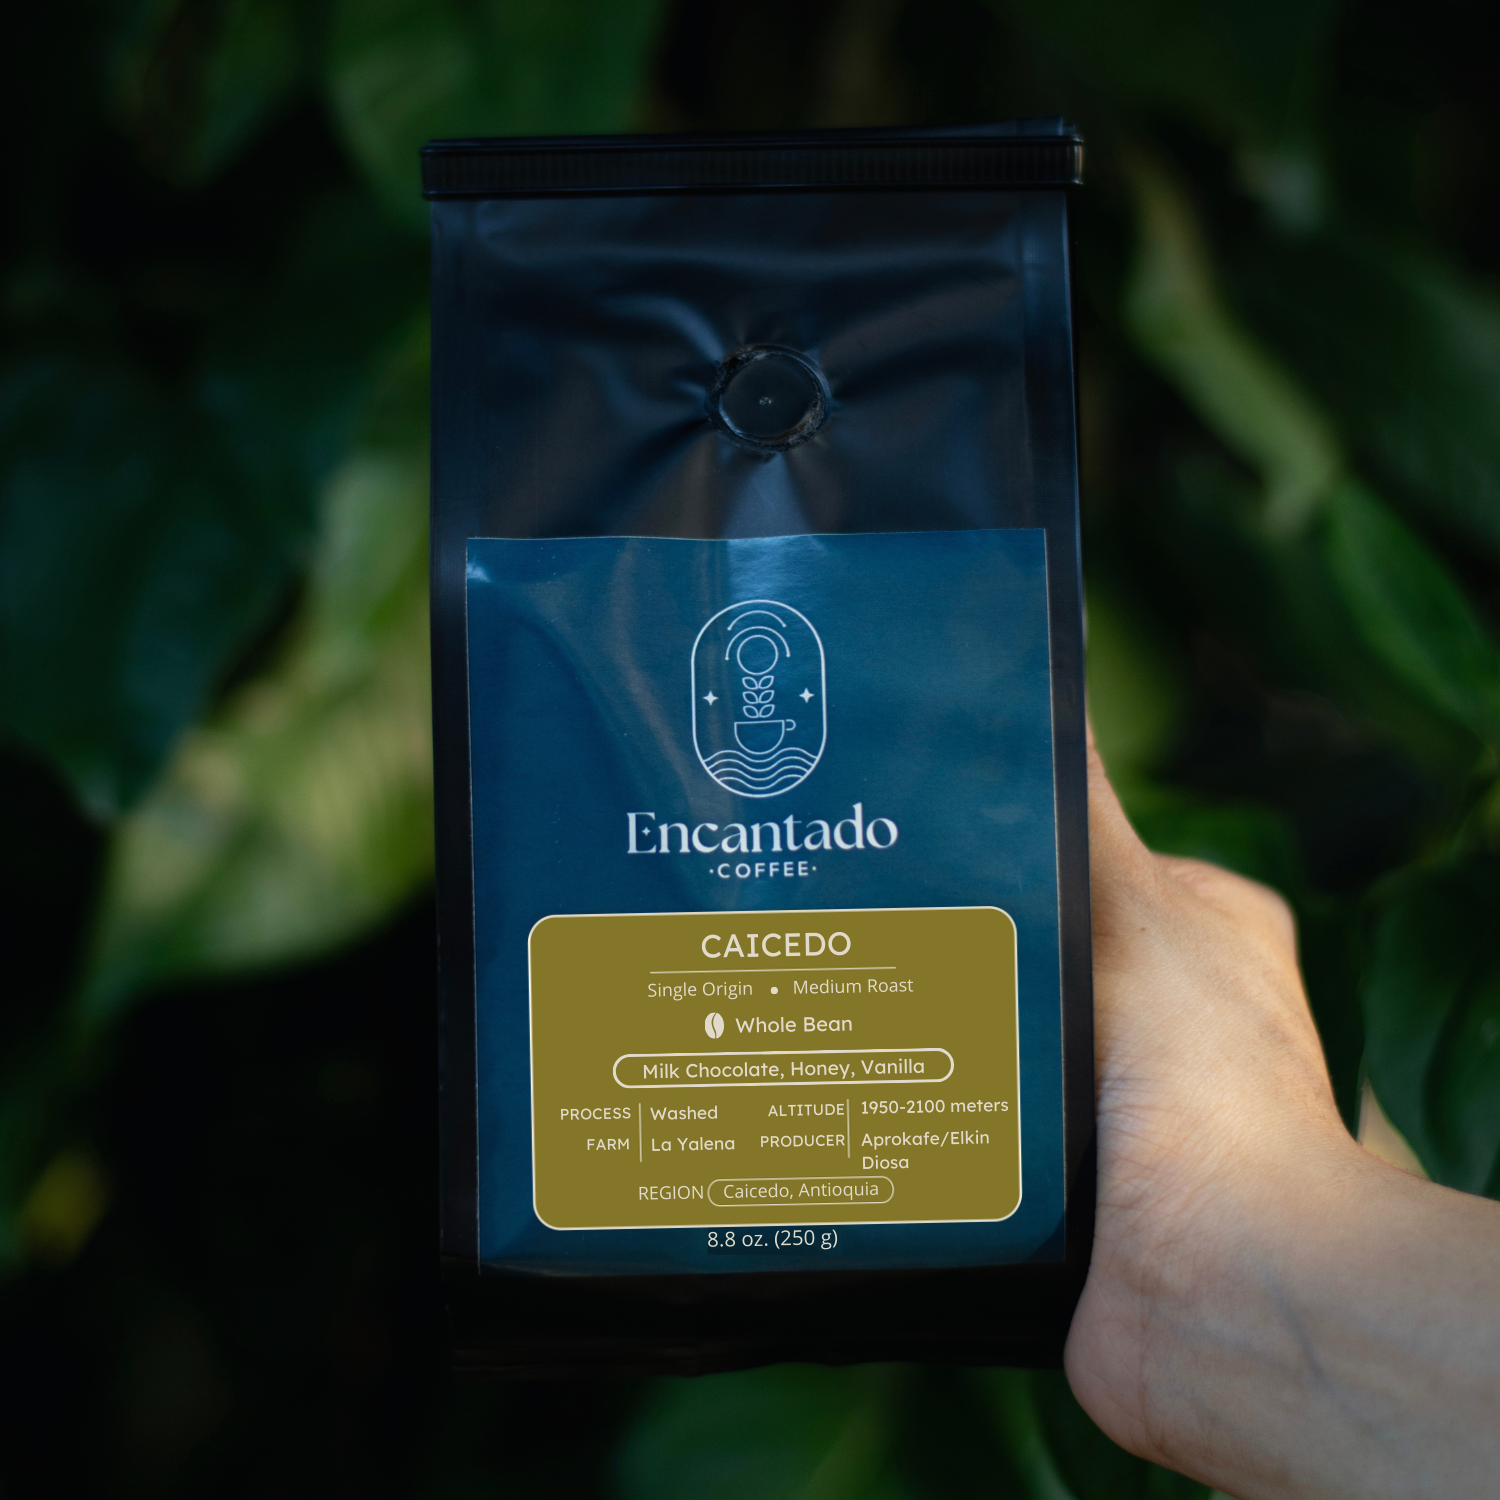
x=729 y=1068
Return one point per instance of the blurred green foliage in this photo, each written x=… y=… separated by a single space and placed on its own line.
x=214 y=757
x=403 y=72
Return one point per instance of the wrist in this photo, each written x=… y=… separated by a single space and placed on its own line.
x=1310 y=1331
x=1189 y=1346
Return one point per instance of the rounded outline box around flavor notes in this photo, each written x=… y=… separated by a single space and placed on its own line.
x=785 y=1083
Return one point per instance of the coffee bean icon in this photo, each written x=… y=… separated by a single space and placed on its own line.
x=714 y=1024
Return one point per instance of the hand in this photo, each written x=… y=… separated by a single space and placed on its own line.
x=1270 y=1309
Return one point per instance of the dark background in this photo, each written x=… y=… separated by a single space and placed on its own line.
x=216 y=1155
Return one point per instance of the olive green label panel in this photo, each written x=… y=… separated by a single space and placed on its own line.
x=699 y=1069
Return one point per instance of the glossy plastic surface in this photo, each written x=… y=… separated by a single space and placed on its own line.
x=576 y=345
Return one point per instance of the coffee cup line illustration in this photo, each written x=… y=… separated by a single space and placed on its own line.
x=746 y=658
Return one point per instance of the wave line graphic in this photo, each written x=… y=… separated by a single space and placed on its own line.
x=756 y=775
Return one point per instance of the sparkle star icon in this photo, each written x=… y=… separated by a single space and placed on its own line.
x=710 y=697
x=805 y=695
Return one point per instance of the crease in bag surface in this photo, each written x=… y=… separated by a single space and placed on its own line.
x=766 y=1019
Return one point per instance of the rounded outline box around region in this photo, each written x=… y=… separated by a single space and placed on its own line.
x=807 y=1177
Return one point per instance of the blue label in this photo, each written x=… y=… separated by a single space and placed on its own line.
x=810 y=724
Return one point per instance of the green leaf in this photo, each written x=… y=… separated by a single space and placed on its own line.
x=1277 y=595
x=1410 y=612
x=1012 y=1407
x=197 y=80
x=290 y=370
x=1405 y=353
x=1091 y=1465
x=1432 y=1019
x=889 y=1432
x=1183 y=326
x=1065 y=1456
x=148 y=528
x=297 y=817
x=1249 y=839
x=403 y=72
x=798 y=1432
x=1135 y=695
x=1239 y=67
x=135 y=555
x=301 y=814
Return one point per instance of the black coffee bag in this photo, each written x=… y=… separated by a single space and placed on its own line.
x=757 y=646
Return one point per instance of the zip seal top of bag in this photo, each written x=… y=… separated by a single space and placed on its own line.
x=1031 y=153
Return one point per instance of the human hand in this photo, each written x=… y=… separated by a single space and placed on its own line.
x=1266 y=1309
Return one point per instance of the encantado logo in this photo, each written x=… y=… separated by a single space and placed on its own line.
x=759 y=698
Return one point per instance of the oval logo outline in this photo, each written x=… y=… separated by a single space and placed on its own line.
x=769 y=736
